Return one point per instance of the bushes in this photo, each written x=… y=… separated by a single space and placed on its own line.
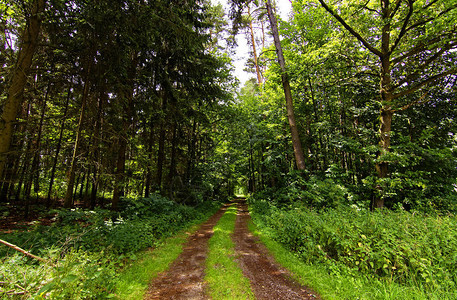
x=88 y=247
x=400 y=246
x=313 y=192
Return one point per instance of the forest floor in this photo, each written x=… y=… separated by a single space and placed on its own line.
x=185 y=277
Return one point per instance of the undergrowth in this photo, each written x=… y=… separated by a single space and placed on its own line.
x=87 y=249
x=409 y=249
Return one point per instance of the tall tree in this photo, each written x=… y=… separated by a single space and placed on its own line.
x=414 y=42
x=28 y=43
x=296 y=142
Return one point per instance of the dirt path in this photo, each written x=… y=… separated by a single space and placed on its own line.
x=185 y=277
x=268 y=279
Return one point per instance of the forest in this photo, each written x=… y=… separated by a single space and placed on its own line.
x=123 y=125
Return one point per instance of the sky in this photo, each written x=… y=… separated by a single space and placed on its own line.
x=284 y=7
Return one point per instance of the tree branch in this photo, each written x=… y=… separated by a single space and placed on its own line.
x=397 y=6
x=418 y=101
x=351 y=30
x=22 y=251
x=424 y=83
x=403 y=28
x=426 y=64
x=431 y=18
x=419 y=48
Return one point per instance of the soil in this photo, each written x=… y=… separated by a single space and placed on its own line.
x=268 y=279
x=185 y=277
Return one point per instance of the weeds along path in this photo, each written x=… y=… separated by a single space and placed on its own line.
x=185 y=277
x=268 y=279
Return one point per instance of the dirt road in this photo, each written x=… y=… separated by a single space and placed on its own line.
x=185 y=277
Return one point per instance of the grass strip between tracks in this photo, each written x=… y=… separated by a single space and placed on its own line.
x=223 y=275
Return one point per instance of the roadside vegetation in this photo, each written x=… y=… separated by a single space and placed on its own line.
x=85 y=250
x=116 y=135
x=348 y=252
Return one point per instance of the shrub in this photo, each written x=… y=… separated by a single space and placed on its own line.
x=399 y=246
x=88 y=247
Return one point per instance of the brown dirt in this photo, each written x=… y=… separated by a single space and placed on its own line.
x=268 y=279
x=185 y=277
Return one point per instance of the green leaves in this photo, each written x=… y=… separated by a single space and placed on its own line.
x=398 y=246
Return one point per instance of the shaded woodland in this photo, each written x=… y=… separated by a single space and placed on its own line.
x=122 y=123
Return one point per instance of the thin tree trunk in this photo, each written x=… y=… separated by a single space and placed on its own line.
x=147 y=188
x=254 y=50
x=162 y=135
x=59 y=145
x=28 y=46
x=192 y=152
x=160 y=157
x=74 y=160
x=172 y=171
x=98 y=129
x=298 y=151
x=127 y=96
x=120 y=169
x=37 y=150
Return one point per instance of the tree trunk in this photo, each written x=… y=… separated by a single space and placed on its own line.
x=147 y=188
x=172 y=171
x=386 y=113
x=254 y=50
x=162 y=135
x=71 y=176
x=37 y=150
x=59 y=145
x=28 y=45
x=118 y=175
x=160 y=157
x=298 y=151
x=98 y=129
x=126 y=94
x=382 y=166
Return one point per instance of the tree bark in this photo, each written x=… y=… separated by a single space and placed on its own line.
x=97 y=134
x=126 y=95
x=386 y=113
x=254 y=50
x=147 y=188
x=298 y=151
x=37 y=150
x=59 y=145
x=68 y=202
x=28 y=46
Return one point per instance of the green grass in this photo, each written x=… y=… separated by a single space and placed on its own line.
x=134 y=281
x=337 y=287
x=225 y=279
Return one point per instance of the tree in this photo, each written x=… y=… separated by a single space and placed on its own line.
x=414 y=42
x=237 y=7
x=28 y=43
